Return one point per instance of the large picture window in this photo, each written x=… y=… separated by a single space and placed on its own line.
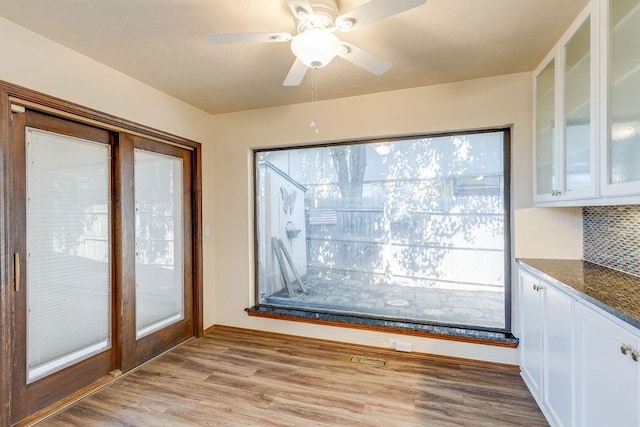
x=412 y=229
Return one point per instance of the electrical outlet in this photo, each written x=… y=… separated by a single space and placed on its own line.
x=404 y=346
x=393 y=343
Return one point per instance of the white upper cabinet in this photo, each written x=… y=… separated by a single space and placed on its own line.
x=565 y=138
x=621 y=33
x=587 y=113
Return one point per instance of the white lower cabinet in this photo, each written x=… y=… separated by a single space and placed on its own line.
x=546 y=347
x=531 y=340
x=581 y=364
x=607 y=374
x=558 y=356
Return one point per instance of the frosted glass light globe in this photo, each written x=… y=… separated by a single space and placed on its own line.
x=315 y=47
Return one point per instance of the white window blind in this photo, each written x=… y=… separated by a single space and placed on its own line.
x=159 y=241
x=68 y=245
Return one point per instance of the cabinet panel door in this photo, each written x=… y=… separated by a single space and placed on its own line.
x=531 y=339
x=606 y=379
x=558 y=356
x=623 y=78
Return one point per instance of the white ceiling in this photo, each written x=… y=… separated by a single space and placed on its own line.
x=163 y=43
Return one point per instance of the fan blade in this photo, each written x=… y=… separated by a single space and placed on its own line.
x=301 y=9
x=296 y=74
x=373 y=11
x=362 y=58
x=228 y=38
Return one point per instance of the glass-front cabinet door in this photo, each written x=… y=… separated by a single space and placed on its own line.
x=565 y=139
x=622 y=150
x=577 y=108
x=545 y=141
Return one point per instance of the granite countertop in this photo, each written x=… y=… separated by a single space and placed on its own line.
x=613 y=291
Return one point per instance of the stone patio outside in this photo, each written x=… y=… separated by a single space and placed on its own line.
x=333 y=291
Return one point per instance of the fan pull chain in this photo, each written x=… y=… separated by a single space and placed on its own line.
x=314 y=99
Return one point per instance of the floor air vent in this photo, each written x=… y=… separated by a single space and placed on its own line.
x=368 y=361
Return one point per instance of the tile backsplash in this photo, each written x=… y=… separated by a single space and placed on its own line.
x=612 y=237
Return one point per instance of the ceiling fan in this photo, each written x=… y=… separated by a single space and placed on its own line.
x=316 y=45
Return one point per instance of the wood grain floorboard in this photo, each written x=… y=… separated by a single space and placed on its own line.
x=235 y=378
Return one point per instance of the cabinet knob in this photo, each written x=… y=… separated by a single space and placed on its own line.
x=635 y=355
x=625 y=349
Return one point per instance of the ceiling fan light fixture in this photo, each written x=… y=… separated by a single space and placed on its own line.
x=315 y=47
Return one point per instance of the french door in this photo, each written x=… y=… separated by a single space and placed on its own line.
x=61 y=238
x=162 y=205
x=101 y=236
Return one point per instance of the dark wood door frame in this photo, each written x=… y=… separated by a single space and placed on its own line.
x=124 y=252
x=6 y=288
x=13 y=94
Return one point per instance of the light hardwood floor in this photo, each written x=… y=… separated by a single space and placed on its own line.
x=238 y=378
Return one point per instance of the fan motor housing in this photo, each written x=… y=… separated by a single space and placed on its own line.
x=324 y=15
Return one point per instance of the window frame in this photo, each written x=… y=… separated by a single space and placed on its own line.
x=371 y=322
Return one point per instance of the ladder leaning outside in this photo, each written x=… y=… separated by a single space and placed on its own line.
x=285 y=259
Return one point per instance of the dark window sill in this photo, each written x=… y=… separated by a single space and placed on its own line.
x=495 y=338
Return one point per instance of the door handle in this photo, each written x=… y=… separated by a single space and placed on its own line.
x=16 y=271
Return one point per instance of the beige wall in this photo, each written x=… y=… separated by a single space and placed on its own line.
x=548 y=233
x=37 y=63
x=491 y=102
